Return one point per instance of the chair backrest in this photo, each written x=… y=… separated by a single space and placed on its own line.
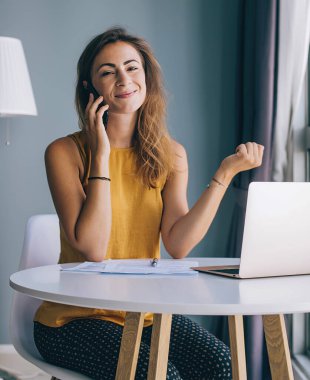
x=41 y=242
x=41 y=247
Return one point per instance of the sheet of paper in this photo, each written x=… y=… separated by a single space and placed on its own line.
x=137 y=266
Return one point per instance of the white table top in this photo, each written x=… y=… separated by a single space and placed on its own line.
x=204 y=294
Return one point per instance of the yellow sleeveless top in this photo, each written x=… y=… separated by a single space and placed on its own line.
x=135 y=231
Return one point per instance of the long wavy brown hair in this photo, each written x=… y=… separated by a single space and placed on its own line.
x=152 y=142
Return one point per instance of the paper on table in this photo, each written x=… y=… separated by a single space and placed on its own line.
x=137 y=266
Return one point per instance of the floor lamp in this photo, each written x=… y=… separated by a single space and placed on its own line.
x=16 y=95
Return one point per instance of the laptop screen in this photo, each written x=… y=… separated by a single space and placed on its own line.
x=276 y=239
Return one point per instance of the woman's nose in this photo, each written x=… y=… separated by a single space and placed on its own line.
x=123 y=78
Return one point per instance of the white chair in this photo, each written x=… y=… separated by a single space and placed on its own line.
x=41 y=247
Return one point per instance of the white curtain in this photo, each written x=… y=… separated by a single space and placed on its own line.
x=294 y=34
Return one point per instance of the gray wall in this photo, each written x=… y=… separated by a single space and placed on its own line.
x=195 y=42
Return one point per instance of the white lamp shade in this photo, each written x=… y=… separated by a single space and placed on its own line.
x=16 y=96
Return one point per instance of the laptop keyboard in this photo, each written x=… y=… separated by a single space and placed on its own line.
x=230 y=271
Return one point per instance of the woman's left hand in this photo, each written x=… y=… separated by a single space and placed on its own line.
x=247 y=156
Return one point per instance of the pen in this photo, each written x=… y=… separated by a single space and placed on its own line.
x=154 y=262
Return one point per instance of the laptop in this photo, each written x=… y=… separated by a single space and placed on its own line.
x=276 y=235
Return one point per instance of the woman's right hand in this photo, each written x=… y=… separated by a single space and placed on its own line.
x=247 y=156
x=96 y=135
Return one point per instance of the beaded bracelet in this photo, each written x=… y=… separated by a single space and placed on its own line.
x=102 y=178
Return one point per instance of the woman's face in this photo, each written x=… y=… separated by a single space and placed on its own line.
x=118 y=75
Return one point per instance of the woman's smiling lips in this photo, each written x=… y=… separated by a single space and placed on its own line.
x=125 y=94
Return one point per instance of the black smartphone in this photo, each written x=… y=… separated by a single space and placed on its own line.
x=91 y=89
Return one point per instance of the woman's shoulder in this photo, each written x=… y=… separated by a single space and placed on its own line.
x=61 y=145
x=65 y=148
x=67 y=142
x=179 y=151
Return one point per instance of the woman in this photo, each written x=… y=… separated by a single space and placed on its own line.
x=116 y=188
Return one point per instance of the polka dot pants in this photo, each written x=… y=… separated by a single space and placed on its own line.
x=91 y=347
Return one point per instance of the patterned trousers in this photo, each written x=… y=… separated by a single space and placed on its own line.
x=91 y=347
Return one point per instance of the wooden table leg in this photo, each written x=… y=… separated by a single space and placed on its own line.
x=130 y=345
x=277 y=346
x=236 y=337
x=159 y=347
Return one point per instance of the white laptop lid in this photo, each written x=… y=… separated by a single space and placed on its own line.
x=276 y=237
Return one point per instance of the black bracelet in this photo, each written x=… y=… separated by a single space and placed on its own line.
x=219 y=183
x=102 y=178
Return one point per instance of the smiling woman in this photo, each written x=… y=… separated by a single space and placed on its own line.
x=117 y=187
x=123 y=70
x=119 y=80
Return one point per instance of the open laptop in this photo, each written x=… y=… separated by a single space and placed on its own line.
x=276 y=236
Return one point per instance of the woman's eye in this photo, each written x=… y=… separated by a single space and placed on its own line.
x=106 y=73
x=132 y=68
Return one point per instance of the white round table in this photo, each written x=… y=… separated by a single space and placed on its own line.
x=202 y=294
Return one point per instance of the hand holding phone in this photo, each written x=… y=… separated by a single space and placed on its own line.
x=90 y=88
x=95 y=130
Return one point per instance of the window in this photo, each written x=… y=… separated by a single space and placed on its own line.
x=300 y=323
x=308 y=152
x=308 y=336
x=308 y=180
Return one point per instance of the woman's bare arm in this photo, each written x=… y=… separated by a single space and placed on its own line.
x=86 y=220
x=182 y=229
